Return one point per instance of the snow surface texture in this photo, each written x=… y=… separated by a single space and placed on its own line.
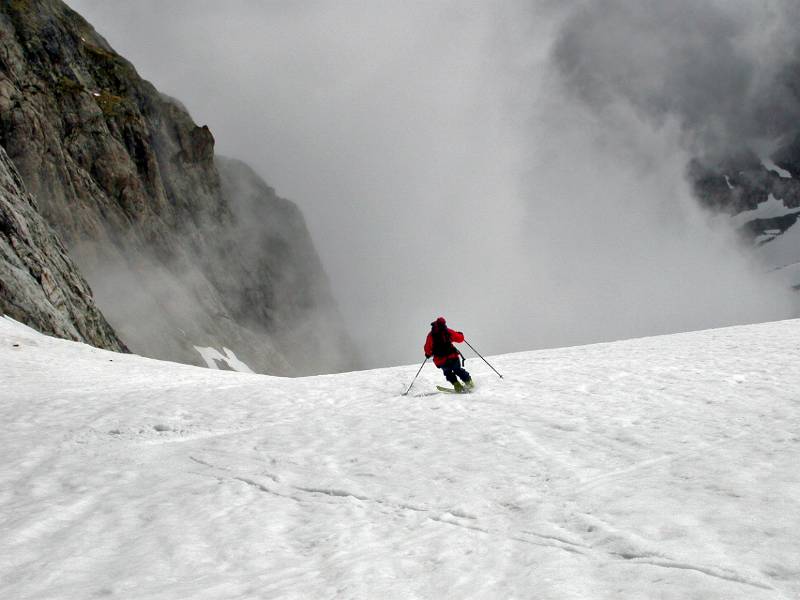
x=663 y=467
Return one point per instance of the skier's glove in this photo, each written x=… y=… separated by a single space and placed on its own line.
x=427 y=356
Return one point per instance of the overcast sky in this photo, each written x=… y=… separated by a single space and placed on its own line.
x=466 y=159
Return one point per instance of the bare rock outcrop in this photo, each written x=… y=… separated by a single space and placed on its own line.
x=39 y=283
x=178 y=256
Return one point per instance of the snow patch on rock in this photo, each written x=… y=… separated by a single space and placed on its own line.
x=769 y=165
x=227 y=357
x=769 y=209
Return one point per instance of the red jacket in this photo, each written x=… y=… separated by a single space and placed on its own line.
x=455 y=336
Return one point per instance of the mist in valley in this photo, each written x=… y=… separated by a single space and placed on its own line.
x=519 y=168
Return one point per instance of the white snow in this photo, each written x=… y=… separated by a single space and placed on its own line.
x=664 y=467
x=212 y=355
x=769 y=209
x=728 y=181
x=788 y=274
x=764 y=238
x=775 y=249
x=769 y=165
x=783 y=253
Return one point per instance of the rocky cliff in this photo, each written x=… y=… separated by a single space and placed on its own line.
x=762 y=196
x=742 y=181
x=183 y=249
x=755 y=175
x=39 y=283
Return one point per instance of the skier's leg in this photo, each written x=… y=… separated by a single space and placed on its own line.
x=468 y=383
x=451 y=368
x=447 y=368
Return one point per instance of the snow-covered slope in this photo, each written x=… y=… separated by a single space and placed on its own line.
x=664 y=467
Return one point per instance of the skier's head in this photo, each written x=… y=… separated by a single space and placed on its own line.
x=440 y=322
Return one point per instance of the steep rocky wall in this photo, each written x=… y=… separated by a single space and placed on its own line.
x=131 y=184
x=39 y=283
x=275 y=246
x=761 y=195
x=741 y=182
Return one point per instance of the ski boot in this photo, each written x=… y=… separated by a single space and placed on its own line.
x=469 y=384
x=459 y=388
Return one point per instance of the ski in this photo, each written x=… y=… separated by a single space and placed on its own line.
x=448 y=390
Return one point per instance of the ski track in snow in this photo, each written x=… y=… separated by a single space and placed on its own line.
x=655 y=468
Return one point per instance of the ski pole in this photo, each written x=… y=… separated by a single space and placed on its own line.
x=417 y=375
x=484 y=360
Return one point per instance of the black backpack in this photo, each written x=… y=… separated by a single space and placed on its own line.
x=442 y=344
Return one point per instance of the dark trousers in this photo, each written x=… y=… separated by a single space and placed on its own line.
x=452 y=369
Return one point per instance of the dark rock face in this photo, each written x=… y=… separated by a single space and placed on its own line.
x=39 y=283
x=741 y=183
x=180 y=253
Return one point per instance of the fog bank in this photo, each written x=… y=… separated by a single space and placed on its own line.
x=518 y=168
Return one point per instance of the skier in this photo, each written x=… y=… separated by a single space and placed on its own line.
x=439 y=344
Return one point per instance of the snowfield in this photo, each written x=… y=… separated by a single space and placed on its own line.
x=665 y=467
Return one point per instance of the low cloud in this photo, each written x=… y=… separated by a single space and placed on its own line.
x=727 y=71
x=518 y=168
